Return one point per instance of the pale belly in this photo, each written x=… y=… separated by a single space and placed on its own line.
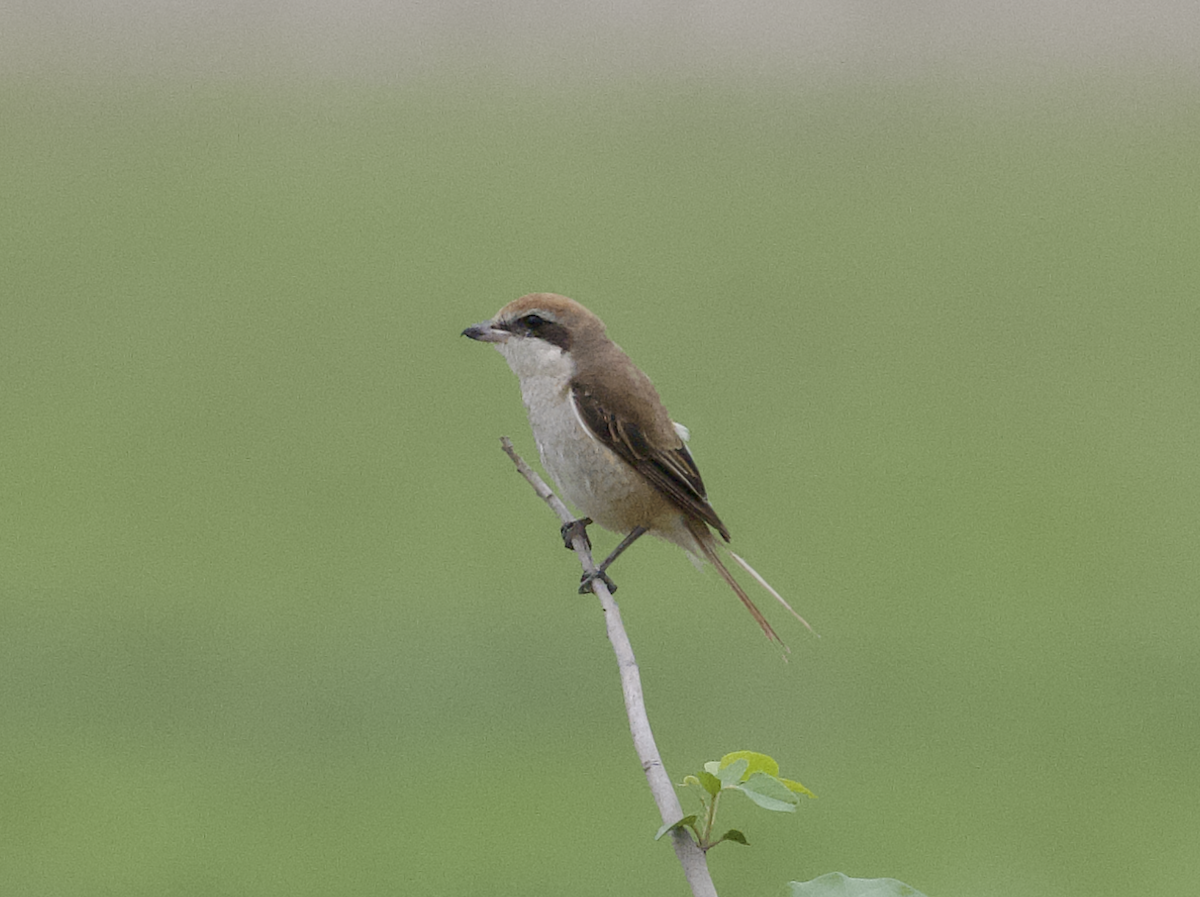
x=589 y=475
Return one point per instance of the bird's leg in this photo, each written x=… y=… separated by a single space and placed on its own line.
x=585 y=584
x=634 y=534
x=576 y=528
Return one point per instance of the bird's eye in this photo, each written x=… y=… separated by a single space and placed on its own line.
x=533 y=322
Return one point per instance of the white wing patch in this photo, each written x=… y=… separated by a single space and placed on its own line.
x=683 y=432
x=582 y=423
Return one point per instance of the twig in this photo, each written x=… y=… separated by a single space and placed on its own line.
x=691 y=857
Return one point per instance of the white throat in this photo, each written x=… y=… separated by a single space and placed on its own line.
x=535 y=360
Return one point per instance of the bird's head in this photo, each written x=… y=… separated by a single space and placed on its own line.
x=538 y=333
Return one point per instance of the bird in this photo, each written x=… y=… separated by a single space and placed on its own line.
x=606 y=439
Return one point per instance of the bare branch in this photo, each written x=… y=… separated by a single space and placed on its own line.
x=691 y=857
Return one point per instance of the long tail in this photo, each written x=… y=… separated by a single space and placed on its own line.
x=766 y=585
x=708 y=546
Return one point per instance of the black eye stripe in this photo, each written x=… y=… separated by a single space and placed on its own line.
x=555 y=334
x=535 y=326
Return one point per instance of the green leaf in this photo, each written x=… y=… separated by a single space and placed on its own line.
x=734 y=835
x=798 y=788
x=835 y=884
x=769 y=793
x=670 y=826
x=710 y=782
x=733 y=773
x=755 y=762
x=712 y=767
x=690 y=780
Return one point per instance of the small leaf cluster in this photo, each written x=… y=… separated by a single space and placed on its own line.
x=836 y=884
x=754 y=775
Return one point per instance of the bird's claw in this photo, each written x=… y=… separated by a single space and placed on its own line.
x=585 y=582
x=576 y=528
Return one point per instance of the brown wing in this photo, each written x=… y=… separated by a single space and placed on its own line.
x=671 y=471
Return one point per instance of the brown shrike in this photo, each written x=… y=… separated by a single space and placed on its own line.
x=604 y=436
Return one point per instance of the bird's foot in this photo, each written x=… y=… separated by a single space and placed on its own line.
x=576 y=528
x=585 y=582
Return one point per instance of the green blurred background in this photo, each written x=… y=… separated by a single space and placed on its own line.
x=277 y=617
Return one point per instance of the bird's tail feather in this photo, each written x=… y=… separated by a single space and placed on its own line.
x=708 y=546
x=766 y=585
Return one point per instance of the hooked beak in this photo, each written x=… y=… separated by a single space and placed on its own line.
x=486 y=333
